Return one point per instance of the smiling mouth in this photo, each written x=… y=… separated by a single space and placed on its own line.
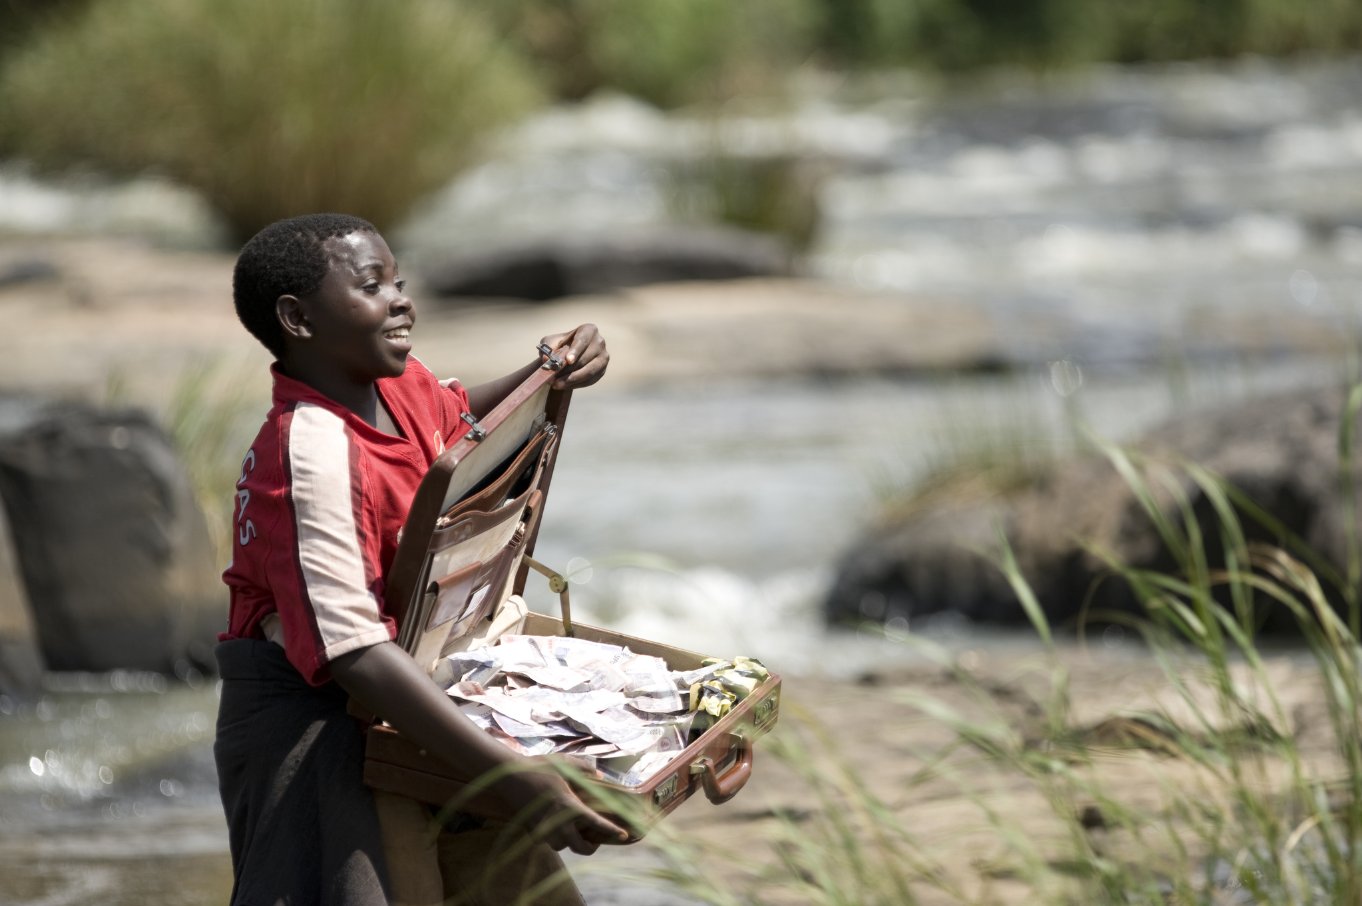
x=402 y=334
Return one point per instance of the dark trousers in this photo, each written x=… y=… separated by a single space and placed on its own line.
x=301 y=822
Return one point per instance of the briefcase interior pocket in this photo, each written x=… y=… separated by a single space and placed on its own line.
x=467 y=594
x=458 y=593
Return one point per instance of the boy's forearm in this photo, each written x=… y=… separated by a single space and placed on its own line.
x=385 y=680
x=484 y=397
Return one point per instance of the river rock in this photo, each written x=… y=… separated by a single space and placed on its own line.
x=26 y=270
x=21 y=660
x=578 y=265
x=943 y=553
x=114 y=551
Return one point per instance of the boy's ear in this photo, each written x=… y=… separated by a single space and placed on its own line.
x=289 y=310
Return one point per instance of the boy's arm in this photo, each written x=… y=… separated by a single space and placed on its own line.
x=484 y=397
x=384 y=679
x=584 y=357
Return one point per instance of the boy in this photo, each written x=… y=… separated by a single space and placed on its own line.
x=324 y=489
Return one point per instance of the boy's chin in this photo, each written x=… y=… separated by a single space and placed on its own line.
x=398 y=366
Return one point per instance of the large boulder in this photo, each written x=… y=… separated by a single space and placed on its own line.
x=941 y=555
x=579 y=265
x=21 y=660
x=114 y=551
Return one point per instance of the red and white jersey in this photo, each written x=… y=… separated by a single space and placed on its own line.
x=321 y=498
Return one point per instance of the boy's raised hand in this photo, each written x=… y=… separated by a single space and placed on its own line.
x=584 y=356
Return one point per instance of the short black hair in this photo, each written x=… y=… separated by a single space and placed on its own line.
x=285 y=258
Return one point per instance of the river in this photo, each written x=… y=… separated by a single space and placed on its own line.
x=1124 y=205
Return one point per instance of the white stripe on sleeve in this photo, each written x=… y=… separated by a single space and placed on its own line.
x=329 y=551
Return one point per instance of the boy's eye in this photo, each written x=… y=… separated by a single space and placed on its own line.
x=371 y=287
x=401 y=286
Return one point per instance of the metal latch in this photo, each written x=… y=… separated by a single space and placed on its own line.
x=554 y=363
x=476 y=431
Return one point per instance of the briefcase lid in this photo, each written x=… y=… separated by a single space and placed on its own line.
x=460 y=471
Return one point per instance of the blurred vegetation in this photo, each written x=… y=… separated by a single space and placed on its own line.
x=211 y=415
x=668 y=52
x=675 y=52
x=954 y=35
x=1153 y=30
x=964 y=34
x=19 y=19
x=269 y=109
x=773 y=194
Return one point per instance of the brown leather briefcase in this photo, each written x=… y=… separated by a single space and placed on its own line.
x=464 y=553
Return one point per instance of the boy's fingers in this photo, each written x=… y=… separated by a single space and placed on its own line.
x=578 y=340
x=573 y=352
x=583 y=375
x=580 y=844
x=602 y=830
x=566 y=835
x=592 y=829
x=583 y=354
x=582 y=338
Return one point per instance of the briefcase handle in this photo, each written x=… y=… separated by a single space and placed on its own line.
x=721 y=787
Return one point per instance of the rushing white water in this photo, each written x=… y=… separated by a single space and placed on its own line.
x=716 y=521
x=1124 y=203
x=1120 y=205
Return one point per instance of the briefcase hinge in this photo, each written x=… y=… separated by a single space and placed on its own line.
x=476 y=431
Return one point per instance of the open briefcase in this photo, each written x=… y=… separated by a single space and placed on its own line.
x=462 y=563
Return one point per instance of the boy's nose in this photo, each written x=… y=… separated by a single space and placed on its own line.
x=401 y=302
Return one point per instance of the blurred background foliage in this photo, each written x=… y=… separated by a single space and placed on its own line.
x=269 y=109
x=668 y=52
x=956 y=35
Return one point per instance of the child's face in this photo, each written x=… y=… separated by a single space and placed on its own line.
x=360 y=317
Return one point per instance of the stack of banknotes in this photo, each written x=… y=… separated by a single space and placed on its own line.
x=622 y=715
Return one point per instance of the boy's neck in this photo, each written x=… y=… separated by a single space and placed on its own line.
x=361 y=399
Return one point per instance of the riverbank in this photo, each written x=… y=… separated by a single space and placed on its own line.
x=864 y=780
x=917 y=775
x=127 y=312
x=130 y=316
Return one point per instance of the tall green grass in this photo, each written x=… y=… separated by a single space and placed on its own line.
x=961 y=35
x=268 y=109
x=778 y=195
x=671 y=53
x=1243 y=794
x=211 y=415
x=978 y=444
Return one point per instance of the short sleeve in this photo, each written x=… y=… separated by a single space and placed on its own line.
x=327 y=599
x=456 y=394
